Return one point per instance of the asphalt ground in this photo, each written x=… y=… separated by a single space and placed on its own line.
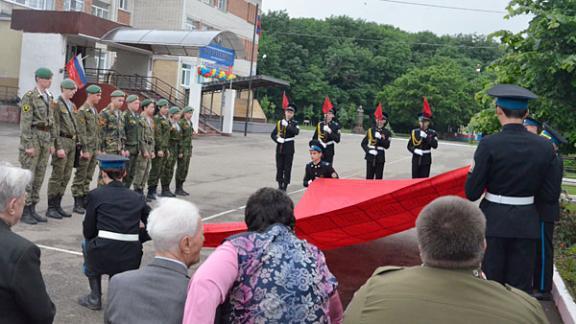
x=224 y=172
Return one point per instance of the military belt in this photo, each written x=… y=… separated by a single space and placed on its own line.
x=67 y=136
x=420 y=152
x=326 y=144
x=118 y=236
x=42 y=128
x=288 y=139
x=506 y=200
x=380 y=148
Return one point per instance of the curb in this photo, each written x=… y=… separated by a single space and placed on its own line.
x=563 y=300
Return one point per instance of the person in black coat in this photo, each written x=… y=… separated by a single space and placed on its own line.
x=377 y=140
x=328 y=134
x=23 y=296
x=113 y=228
x=283 y=134
x=515 y=168
x=422 y=141
x=317 y=168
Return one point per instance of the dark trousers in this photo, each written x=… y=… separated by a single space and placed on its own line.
x=420 y=170
x=374 y=170
x=284 y=168
x=510 y=261
x=328 y=154
x=544 y=266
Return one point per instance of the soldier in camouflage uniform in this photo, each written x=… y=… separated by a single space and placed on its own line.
x=65 y=135
x=174 y=151
x=161 y=138
x=111 y=127
x=146 y=146
x=132 y=129
x=185 y=150
x=88 y=131
x=36 y=140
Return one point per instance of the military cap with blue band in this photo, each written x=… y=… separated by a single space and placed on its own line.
x=512 y=97
x=553 y=135
x=315 y=146
x=529 y=121
x=112 y=162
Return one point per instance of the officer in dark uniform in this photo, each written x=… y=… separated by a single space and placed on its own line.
x=549 y=214
x=532 y=125
x=422 y=141
x=317 y=168
x=513 y=166
x=328 y=134
x=377 y=139
x=113 y=228
x=283 y=134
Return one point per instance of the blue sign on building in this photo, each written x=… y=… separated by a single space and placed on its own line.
x=220 y=55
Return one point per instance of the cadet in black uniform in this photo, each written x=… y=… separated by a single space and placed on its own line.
x=317 y=168
x=549 y=214
x=327 y=133
x=532 y=125
x=513 y=167
x=113 y=228
x=283 y=134
x=377 y=139
x=422 y=141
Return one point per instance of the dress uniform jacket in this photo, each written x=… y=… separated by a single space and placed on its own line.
x=371 y=142
x=425 y=144
x=113 y=208
x=433 y=295
x=286 y=132
x=320 y=170
x=23 y=297
x=327 y=140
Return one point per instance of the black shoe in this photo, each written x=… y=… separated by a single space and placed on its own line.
x=280 y=186
x=78 y=205
x=151 y=194
x=52 y=212
x=546 y=296
x=84 y=201
x=59 y=207
x=27 y=217
x=166 y=192
x=180 y=191
x=285 y=187
x=93 y=300
x=38 y=217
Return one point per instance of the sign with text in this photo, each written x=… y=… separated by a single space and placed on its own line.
x=220 y=55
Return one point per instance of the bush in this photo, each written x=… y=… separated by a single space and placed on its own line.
x=565 y=245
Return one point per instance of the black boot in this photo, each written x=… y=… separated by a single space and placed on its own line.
x=151 y=194
x=84 y=201
x=59 y=207
x=180 y=191
x=78 y=205
x=27 y=217
x=285 y=186
x=140 y=191
x=38 y=217
x=281 y=186
x=166 y=192
x=52 y=212
x=93 y=300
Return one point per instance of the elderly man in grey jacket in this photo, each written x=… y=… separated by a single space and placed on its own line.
x=156 y=293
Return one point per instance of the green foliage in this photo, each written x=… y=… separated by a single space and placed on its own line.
x=565 y=242
x=484 y=122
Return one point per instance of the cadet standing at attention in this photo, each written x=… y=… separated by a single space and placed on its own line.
x=174 y=151
x=146 y=146
x=377 y=140
x=283 y=134
x=65 y=141
x=87 y=118
x=36 y=142
x=327 y=132
x=131 y=125
x=422 y=141
x=513 y=167
x=111 y=126
x=161 y=138
x=186 y=149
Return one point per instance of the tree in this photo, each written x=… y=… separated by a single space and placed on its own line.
x=484 y=122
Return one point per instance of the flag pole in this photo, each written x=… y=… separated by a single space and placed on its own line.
x=250 y=96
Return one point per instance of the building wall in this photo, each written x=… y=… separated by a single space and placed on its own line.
x=124 y=17
x=154 y=14
x=10 y=54
x=167 y=69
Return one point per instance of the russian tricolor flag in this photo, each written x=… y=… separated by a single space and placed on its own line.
x=75 y=70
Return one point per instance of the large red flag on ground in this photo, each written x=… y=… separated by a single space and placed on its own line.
x=426 y=110
x=335 y=213
x=327 y=105
x=285 y=101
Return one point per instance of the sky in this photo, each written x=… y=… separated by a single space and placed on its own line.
x=410 y=18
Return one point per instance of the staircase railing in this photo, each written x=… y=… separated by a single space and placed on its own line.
x=9 y=94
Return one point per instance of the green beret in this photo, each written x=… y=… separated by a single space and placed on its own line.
x=92 y=89
x=68 y=84
x=43 y=73
x=174 y=110
x=188 y=109
x=131 y=98
x=146 y=102
x=117 y=93
x=162 y=102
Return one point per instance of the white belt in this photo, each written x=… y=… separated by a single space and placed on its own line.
x=326 y=144
x=380 y=148
x=505 y=200
x=118 y=236
x=420 y=152
x=289 y=139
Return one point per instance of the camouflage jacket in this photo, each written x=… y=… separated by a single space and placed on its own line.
x=132 y=130
x=161 y=133
x=175 y=135
x=147 y=134
x=187 y=131
x=88 y=129
x=36 y=119
x=111 y=131
x=64 y=122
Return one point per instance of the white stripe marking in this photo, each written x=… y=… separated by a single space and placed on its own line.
x=59 y=250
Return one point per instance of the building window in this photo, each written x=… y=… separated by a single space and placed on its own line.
x=221 y=4
x=74 y=5
x=37 y=4
x=101 y=9
x=123 y=4
x=208 y=2
x=186 y=75
x=191 y=24
x=101 y=58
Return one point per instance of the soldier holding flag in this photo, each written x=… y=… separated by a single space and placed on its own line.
x=327 y=132
x=377 y=139
x=283 y=134
x=422 y=141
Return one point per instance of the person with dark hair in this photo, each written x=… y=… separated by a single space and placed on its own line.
x=449 y=286
x=113 y=228
x=511 y=169
x=377 y=140
x=283 y=135
x=317 y=168
x=266 y=275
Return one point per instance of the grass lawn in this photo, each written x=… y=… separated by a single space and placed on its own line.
x=571 y=190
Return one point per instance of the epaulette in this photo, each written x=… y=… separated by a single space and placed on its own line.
x=386 y=269
x=324 y=163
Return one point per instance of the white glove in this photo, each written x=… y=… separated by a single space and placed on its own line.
x=309 y=182
x=327 y=129
x=280 y=140
x=423 y=134
x=284 y=122
x=378 y=135
x=418 y=152
x=373 y=152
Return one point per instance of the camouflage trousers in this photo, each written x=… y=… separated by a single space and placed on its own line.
x=168 y=172
x=61 y=169
x=36 y=164
x=83 y=176
x=158 y=165
x=141 y=172
x=182 y=166
x=131 y=169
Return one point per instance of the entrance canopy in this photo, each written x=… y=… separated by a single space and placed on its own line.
x=242 y=83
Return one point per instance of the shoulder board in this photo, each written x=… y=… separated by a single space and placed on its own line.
x=387 y=269
x=29 y=93
x=324 y=163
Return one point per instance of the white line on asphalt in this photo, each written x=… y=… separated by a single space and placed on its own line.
x=59 y=250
